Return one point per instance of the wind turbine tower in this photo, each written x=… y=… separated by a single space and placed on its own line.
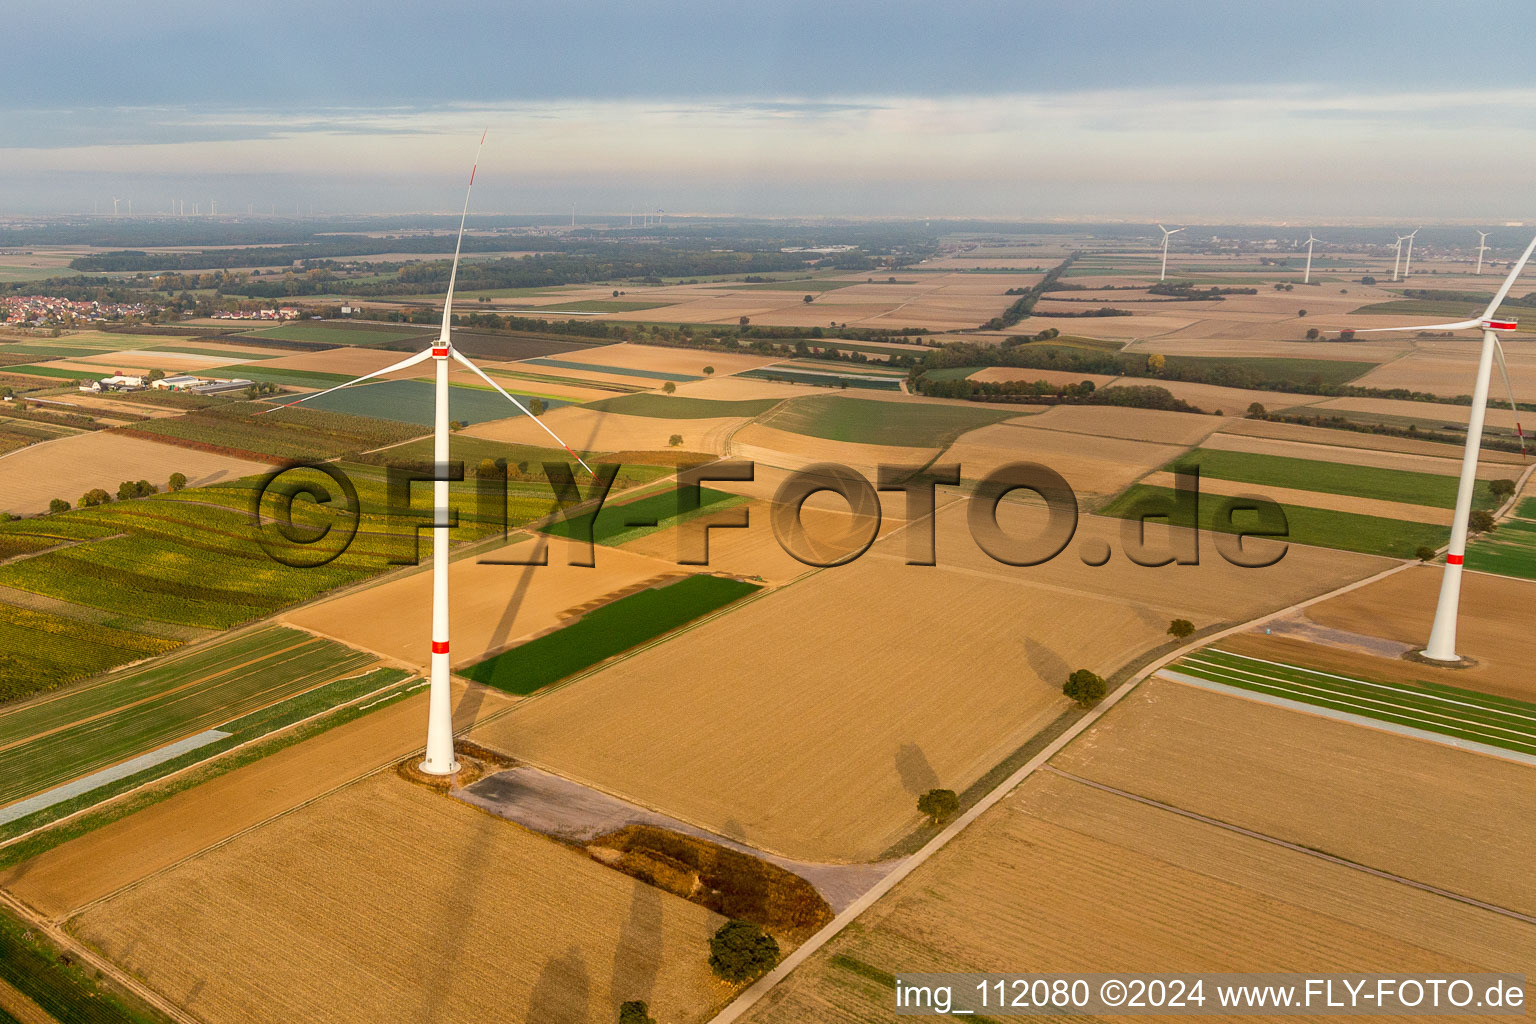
x=1442 y=635
x=439 y=758
x=1307 y=279
x=1166 y=235
x=1397 y=262
x=115 y=201
x=1482 y=247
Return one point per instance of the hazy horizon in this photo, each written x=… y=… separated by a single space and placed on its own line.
x=1103 y=111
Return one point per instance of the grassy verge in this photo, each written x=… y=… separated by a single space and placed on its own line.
x=606 y=631
x=391 y=684
x=1372 y=535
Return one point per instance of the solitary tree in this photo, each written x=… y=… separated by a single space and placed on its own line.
x=178 y=481
x=1256 y=411
x=635 y=1011
x=1180 y=628
x=616 y=295
x=1301 y=312
x=744 y=321
x=537 y=406
x=1501 y=488
x=1480 y=521
x=1085 y=687
x=675 y=440
x=742 y=951
x=1424 y=553
x=1156 y=362
x=709 y=371
x=1312 y=333
x=669 y=387
x=809 y=299
x=938 y=804
x=455 y=424
x=58 y=505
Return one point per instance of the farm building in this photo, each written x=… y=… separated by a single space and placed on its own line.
x=180 y=382
x=117 y=382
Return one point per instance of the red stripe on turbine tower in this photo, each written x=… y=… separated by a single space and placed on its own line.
x=1450 y=559
x=439 y=646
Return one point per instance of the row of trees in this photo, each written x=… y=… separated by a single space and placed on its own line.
x=126 y=491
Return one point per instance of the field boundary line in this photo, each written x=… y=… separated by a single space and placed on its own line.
x=755 y=992
x=1227 y=826
x=213 y=757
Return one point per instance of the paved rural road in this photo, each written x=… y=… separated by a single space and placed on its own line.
x=749 y=998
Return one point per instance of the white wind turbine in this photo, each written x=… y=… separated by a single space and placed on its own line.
x=1308 y=278
x=1397 y=262
x=1482 y=247
x=439 y=752
x=1408 y=263
x=1166 y=235
x=1442 y=635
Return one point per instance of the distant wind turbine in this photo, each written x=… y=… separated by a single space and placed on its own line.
x=439 y=758
x=115 y=201
x=1397 y=263
x=1166 y=235
x=1442 y=635
x=1482 y=247
x=1308 y=278
x=1408 y=263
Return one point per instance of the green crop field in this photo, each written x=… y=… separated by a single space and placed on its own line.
x=40 y=650
x=349 y=334
x=1434 y=489
x=412 y=401
x=869 y=421
x=607 y=631
x=266 y=431
x=829 y=378
x=90 y=727
x=317 y=379
x=1374 y=535
x=56 y=372
x=654 y=406
x=1447 y=710
x=619 y=523
x=1509 y=550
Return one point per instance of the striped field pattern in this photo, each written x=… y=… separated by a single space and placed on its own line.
x=1433 y=707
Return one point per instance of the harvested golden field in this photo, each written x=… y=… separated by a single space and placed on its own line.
x=1386 y=801
x=494 y=606
x=1096 y=467
x=104 y=408
x=592 y=430
x=1493 y=627
x=388 y=902
x=1181 y=428
x=1165 y=893
x=1268 y=339
x=1449 y=368
x=1138 y=325
x=786 y=450
x=741 y=389
x=1315 y=499
x=854 y=708
x=661 y=359
x=1350 y=439
x=1446 y=460
x=1498 y=415
x=70 y=466
x=149 y=358
x=97 y=864
x=1231 y=401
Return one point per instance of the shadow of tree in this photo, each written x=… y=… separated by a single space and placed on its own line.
x=917 y=775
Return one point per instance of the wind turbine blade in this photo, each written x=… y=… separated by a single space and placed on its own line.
x=461 y=357
x=1509 y=282
x=1498 y=354
x=402 y=364
x=453 y=275
x=1460 y=325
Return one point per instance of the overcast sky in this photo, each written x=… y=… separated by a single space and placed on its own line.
x=1305 y=111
